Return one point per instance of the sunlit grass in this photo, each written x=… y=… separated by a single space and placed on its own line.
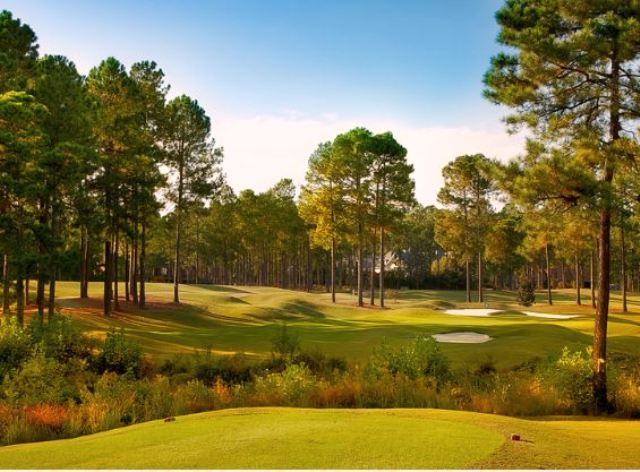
x=270 y=438
x=245 y=319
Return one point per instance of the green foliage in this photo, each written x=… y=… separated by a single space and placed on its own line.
x=39 y=380
x=15 y=345
x=421 y=358
x=119 y=355
x=526 y=291
x=285 y=344
x=571 y=376
x=60 y=339
x=289 y=387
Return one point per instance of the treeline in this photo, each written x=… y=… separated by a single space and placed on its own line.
x=86 y=164
x=491 y=218
x=105 y=178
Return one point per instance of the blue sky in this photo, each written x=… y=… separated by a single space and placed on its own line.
x=278 y=76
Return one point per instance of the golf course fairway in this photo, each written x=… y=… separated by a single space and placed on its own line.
x=304 y=438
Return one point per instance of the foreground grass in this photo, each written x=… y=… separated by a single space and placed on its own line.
x=245 y=319
x=269 y=438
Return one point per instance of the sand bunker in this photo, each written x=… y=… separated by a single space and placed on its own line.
x=549 y=316
x=472 y=312
x=465 y=337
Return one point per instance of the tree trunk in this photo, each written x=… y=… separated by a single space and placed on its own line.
x=116 y=252
x=359 y=268
x=53 y=268
x=546 y=256
x=578 y=279
x=372 y=285
x=623 y=269
x=20 y=298
x=381 y=275
x=592 y=279
x=127 y=273
x=143 y=252
x=480 y=292
x=602 y=313
x=6 y=286
x=197 y=277
x=176 y=269
x=468 y=280
x=308 y=264
x=40 y=289
x=604 y=260
x=108 y=287
x=333 y=270
x=84 y=249
x=134 y=264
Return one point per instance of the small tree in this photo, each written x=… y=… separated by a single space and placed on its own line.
x=526 y=291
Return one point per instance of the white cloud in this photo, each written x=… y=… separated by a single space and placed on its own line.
x=262 y=149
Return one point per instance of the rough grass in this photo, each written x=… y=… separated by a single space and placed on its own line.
x=273 y=438
x=245 y=319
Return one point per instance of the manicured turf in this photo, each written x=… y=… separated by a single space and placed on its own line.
x=245 y=319
x=300 y=438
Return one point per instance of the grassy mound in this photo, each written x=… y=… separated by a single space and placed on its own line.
x=302 y=438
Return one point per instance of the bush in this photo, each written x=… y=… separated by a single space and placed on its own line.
x=526 y=291
x=15 y=346
x=40 y=380
x=319 y=364
x=60 y=339
x=195 y=397
x=208 y=368
x=285 y=344
x=288 y=387
x=571 y=378
x=119 y=355
x=422 y=358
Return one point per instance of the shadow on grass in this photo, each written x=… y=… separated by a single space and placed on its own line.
x=304 y=308
x=219 y=288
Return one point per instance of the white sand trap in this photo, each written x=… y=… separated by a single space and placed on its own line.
x=549 y=316
x=465 y=337
x=472 y=312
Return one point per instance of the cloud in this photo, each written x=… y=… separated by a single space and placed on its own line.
x=260 y=150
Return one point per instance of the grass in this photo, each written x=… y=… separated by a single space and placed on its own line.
x=245 y=319
x=274 y=438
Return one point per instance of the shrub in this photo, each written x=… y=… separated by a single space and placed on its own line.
x=156 y=398
x=208 y=368
x=195 y=397
x=119 y=355
x=571 y=377
x=285 y=344
x=288 y=387
x=60 y=339
x=40 y=380
x=319 y=363
x=422 y=358
x=15 y=346
x=526 y=291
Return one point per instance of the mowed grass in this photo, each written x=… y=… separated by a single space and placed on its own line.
x=275 y=438
x=245 y=319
